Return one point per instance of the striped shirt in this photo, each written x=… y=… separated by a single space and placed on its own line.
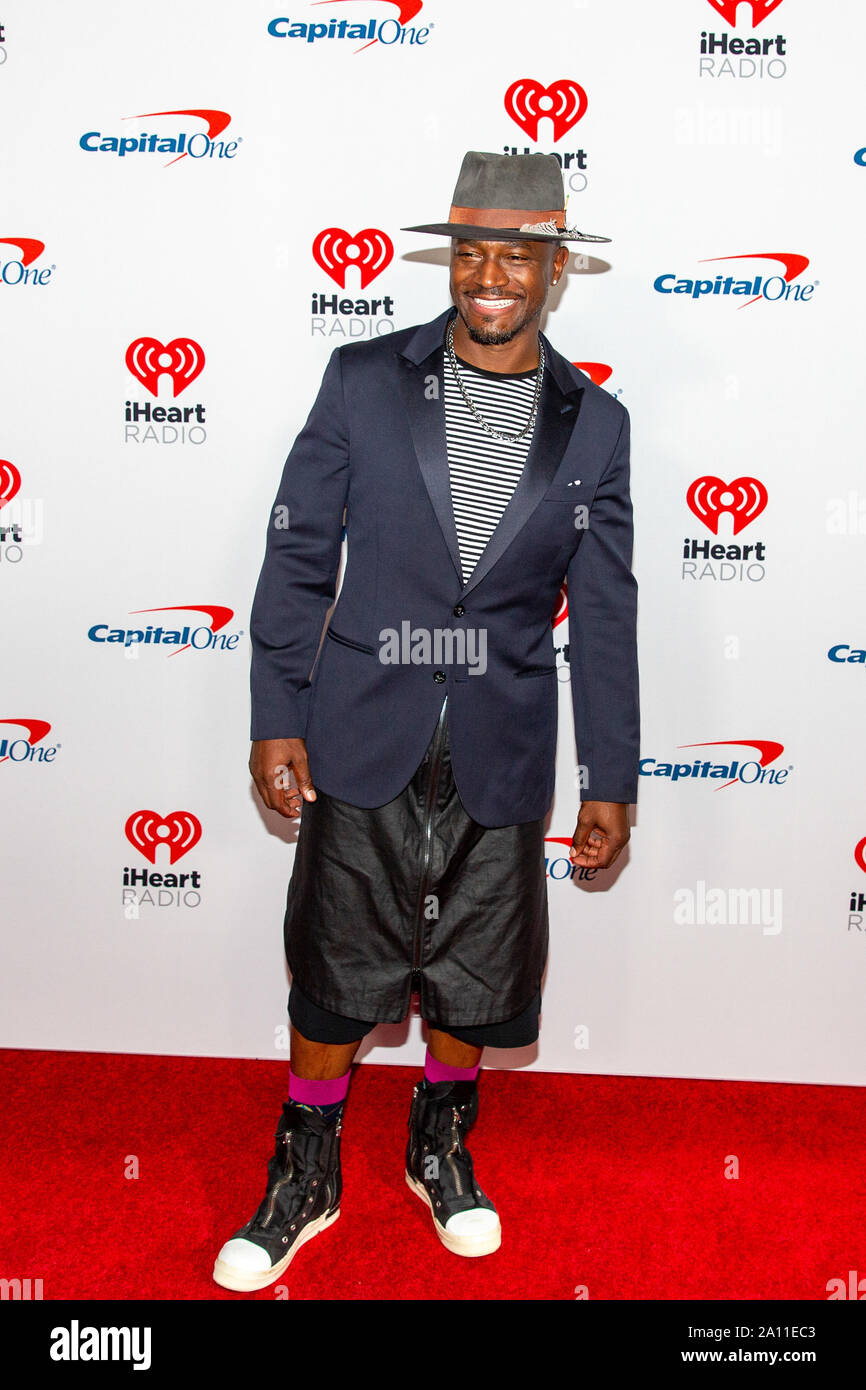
x=484 y=471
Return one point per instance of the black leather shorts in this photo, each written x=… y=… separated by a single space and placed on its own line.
x=416 y=895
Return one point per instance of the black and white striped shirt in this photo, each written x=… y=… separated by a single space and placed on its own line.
x=484 y=471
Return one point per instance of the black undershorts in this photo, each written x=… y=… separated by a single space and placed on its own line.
x=322 y=1026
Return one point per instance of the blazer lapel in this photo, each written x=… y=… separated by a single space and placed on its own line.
x=422 y=361
x=557 y=414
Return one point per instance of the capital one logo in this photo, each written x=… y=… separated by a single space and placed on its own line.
x=20 y=270
x=204 y=638
x=743 y=499
x=147 y=830
x=564 y=102
x=598 y=372
x=747 y=773
x=557 y=862
x=765 y=287
x=406 y=9
x=371 y=250
x=388 y=32
x=560 y=612
x=148 y=359
x=16 y=749
x=201 y=144
x=759 y=8
x=10 y=481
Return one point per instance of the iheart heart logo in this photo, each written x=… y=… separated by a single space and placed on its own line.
x=709 y=498
x=147 y=830
x=371 y=250
x=182 y=359
x=760 y=9
x=10 y=481
x=564 y=101
x=860 y=855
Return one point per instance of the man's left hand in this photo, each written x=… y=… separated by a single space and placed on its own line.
x=602 y=831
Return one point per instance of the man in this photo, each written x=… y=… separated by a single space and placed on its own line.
x=476 y=469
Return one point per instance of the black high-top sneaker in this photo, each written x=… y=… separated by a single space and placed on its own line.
x=303 y=1197
x=439 y=1167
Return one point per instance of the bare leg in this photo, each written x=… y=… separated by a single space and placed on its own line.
x=451 y=1052
x=315 y=1061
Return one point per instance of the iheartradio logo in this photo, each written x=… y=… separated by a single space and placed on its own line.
x=564 y=102
x=759 y=8
x=148 y=359
x=709 y=498
x=860 y=855
x=147 y=830
x=10 y=481
x=371 y=250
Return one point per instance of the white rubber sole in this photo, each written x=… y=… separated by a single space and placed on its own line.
x=468 y=1246
x=242 y=1281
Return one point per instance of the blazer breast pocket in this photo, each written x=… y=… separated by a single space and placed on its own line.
x=576 y=493
x=565 y=510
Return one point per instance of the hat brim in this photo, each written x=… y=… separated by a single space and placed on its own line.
x=460 y=229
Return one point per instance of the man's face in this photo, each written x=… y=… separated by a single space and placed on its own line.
x=499 y=287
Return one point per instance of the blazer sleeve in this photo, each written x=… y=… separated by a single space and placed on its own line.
x=602 y=638
x=298 y=579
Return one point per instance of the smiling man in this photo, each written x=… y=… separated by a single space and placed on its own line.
x=475 y=469
x=499 y=289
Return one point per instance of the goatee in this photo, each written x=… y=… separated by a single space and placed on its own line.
x=490 y=336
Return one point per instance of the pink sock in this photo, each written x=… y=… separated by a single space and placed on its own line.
x=328 y=1092
x=437 y=1071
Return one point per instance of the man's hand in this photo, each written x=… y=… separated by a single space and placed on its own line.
x=602 y=831
x=281 y=772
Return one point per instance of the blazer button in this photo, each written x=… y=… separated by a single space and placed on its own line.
x=459 y=611
x=439 y=677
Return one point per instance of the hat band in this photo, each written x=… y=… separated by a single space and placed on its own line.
x=508 y=219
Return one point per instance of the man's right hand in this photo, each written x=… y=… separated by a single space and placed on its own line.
x=281 y=772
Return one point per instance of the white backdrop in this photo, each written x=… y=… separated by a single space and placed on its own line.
x=668 y=965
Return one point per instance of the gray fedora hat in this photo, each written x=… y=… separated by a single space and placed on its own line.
x=508 y=197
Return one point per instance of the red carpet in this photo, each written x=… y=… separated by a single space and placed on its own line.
x=614 y=1183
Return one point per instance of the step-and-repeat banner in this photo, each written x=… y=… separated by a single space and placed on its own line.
x=172 y=283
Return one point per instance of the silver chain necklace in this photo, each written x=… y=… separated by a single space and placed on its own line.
x=496 y=434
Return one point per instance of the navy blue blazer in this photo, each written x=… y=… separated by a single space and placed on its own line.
x=374 y=444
